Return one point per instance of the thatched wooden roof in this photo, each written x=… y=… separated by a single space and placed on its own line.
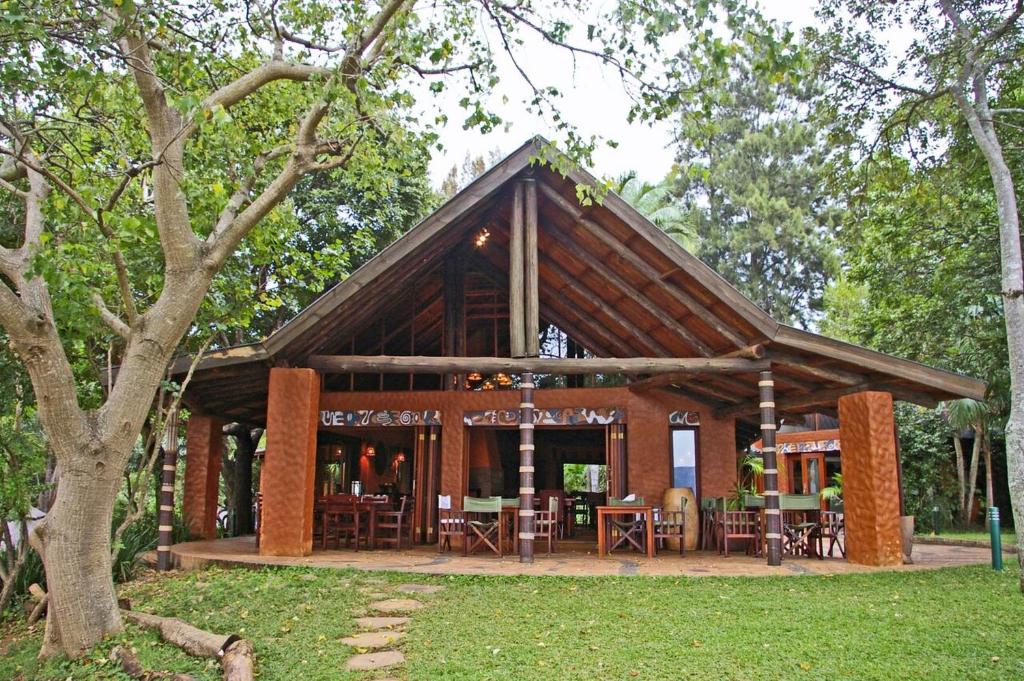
x=609 y=278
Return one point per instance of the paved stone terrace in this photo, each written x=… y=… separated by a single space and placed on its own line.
x=574 y=559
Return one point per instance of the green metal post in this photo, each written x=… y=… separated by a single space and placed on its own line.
x=997 y=544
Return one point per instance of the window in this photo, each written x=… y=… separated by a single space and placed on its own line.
x=684 y=458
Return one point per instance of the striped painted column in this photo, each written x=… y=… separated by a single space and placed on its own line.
x=166 y=515
x=526 y=469
x=773 y=517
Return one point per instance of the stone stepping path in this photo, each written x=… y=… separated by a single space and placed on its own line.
x=396 y=605
x=373 y=639
x=370 y=661
x=380 y=622
x=419 y=588
x=381 y=630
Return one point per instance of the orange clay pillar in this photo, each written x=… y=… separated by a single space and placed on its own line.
x=204 y=443
x=289 y=466
x=871 y=491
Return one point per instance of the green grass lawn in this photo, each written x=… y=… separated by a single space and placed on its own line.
x=1007 y=536
x=959 y=623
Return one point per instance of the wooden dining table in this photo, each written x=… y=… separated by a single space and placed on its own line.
x=603 y=512
x=370 y=508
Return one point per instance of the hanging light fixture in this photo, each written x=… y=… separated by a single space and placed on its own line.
x=503 y=379
x=481 y=238
x=474 y=376
x=371 y=450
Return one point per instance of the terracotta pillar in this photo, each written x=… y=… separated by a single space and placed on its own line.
x=204 y=443
x=289 y=467
x=871 y=491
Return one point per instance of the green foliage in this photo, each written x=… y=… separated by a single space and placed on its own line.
x=655 y=202
x=923 y=269
x=576 y=477
x=751 y=178
x=926 y=454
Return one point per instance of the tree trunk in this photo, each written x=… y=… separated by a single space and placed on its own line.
x=990 y=493
x=237 y=475
x=972 y=479
x=1012 y=291
x=961 y=476
x=74 y=541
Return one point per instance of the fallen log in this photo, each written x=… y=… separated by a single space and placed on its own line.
x=41 y=598
x=236 y=654
x=192 y=640
x=239 y=661
x=131 y=666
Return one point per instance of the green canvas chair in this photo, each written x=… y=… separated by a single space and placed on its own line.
x=483 y=524
x=632 y=529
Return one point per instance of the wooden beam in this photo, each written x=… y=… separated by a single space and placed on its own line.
x=609 y=342
x=658 y=381
x=454 y=314
x=401 y=364
x=516 y=304
x=802 y=401
x=620 y=250
x=630 y=291
x=530 y=276
x=568 y=320
x=802 y=364
x=756 y=351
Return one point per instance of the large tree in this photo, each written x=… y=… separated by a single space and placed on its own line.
x=959 y=57
x=142 y=143
x=751 y=178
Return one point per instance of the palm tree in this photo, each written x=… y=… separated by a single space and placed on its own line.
x=655 y=202
x=974 y=415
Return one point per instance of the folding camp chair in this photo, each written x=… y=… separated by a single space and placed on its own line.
x=483 y=524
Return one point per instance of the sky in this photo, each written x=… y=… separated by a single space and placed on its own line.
x=593 y=100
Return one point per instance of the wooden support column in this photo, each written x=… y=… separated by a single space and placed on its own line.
x=289 y=467
x=871 y=488
x=433 y=474
x=526 y=469
x=166 y=515
x=516 y=290
x=772 y=514
x=421 y=512
x=530 y=276
x=204 y=442
x=454 y=315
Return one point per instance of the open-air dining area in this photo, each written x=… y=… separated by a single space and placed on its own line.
x=523 y=378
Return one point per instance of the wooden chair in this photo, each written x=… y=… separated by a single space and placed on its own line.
x=545 y=496
x=483 y=525
x=510 y=518
x=632 y=529
x=450 y=523
x=342 y=518
x=739 y=525
x=708 y=523
x=581 y=512
x=545 y=524
x=833 y=531
x=396 y=524
x=800 y=534
x=259 y=517
x=671 y=525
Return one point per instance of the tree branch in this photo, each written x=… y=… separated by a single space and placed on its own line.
x=234 y=92
x=111 y=319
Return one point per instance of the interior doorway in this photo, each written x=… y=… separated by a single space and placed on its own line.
x=379 y=460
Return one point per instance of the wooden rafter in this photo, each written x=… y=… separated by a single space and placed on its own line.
x=402 y=364
x=642 y=267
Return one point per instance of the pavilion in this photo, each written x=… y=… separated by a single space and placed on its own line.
x=515 y=319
